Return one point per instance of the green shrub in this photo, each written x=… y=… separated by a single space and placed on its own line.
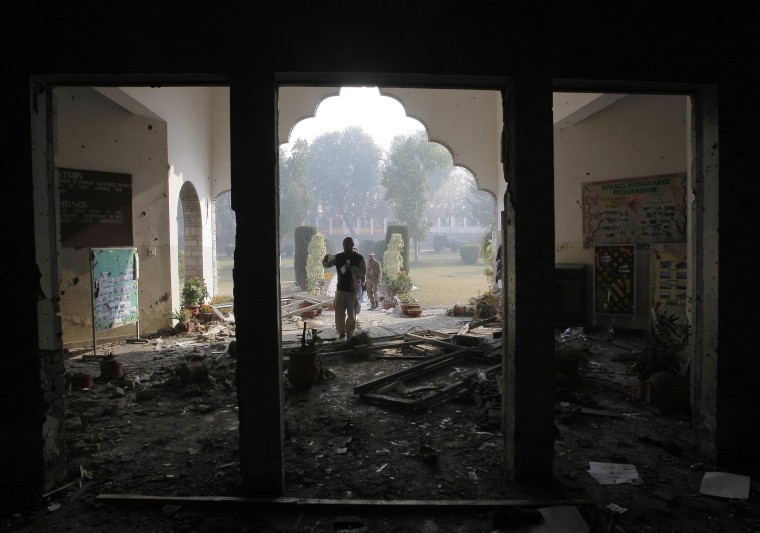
x=303 y=235
x=403 y=230
x=400 y=283
x=194 y=292
x=315 y=272
x=469 y=253
x=393 y=258
x=380 y=247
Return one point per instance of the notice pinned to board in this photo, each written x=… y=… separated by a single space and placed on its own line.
x=115 y=273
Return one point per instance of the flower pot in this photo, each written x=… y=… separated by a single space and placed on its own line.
x=413 y=311
x=668 y=391
x=111 y=369
x=184 y=327
x=312 y=313
x=303 y=369
x=389 y=303
x=193 y=373
x=194 y=309
x=81 y=381
x=461 y=310
x=206 y=317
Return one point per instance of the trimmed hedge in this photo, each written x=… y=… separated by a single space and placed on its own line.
x=331 y=246
x=380 y=247
x=403 y=230
x=469 y=253
x=303 y=235
x=367 y=246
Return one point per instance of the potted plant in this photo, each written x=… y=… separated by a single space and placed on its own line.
x=667 y=340
x=400 y=283
x=407 y=302
x=206 y=313
x=194 y=293
x=303 y=362
x=183 y=316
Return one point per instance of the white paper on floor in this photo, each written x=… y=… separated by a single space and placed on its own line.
x=559 y=519
x=725 y=485
x=613 y=473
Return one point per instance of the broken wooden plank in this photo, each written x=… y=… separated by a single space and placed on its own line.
x=599 y=412
x=363 y=348
x=447 y=345
x=452 y=389
x=403 y=357
x=414 y=371
x=326 y=502
x=385 y=398
x=472 y=445
x=317 y=305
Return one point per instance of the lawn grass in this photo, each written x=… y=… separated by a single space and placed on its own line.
x=441 y=278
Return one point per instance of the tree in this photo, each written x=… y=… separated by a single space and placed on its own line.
x=224 y=219
x=448 y=199
x=405 y=180
x=482 y=208
x=295 y=198
x=344 y=173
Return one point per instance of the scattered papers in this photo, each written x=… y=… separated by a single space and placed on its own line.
x=725 y=485
x=613 y=473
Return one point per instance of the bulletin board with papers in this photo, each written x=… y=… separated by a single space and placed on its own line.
x=637 y=210
x=114 y=287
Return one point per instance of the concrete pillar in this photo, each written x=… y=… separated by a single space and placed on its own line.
x=528 y=400
x=257 y=307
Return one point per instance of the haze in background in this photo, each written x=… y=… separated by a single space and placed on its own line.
x=380 y=116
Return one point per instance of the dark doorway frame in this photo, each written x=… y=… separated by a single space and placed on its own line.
x=528 y=406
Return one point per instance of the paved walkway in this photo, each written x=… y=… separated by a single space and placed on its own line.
x=380 y=323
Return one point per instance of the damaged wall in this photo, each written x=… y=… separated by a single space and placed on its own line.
x=93 y=133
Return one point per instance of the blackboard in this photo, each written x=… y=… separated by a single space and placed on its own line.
x=637 y=210
x=114 y=287
x=95 y=207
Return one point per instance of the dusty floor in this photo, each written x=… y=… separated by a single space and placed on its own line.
x=151 y=433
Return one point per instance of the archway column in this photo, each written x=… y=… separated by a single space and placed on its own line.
x=528 y=398
x=257 y=313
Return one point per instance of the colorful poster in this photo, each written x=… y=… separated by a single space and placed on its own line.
x=669 y=273
x=637 y=210
x=114 y=287
x=614 y=277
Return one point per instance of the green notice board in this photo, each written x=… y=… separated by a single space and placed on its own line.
x=114 y=287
